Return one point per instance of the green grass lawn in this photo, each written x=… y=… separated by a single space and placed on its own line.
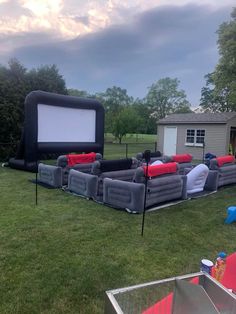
x=62 y=255
x=132 y=138
x=113 y=151
x=130 y=146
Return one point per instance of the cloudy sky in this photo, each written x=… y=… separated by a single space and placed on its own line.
x=129 y=43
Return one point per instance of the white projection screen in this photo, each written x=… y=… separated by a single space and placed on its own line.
x=65 y=124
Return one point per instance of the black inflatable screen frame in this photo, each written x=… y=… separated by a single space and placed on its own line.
x=31 y=149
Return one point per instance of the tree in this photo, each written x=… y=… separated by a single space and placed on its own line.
x=165 y=98
x=147 y=123
x=114 y=99
x=15 y=83
x=220 y=91
x=47 y=78
x=211 y=100
x=125 y=121
x=13 y=88
x=78 y=93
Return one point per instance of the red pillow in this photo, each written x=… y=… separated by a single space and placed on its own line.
x=157 y=170
x=73 y=159
x=224 y=160
x=182 y=158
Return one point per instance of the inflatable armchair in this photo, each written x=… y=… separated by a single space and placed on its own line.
x=79 y=162
x=226 y=168
x=122 y=169
x=56 y=176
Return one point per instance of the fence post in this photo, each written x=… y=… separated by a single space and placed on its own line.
x=155 y=146
x=126 y=150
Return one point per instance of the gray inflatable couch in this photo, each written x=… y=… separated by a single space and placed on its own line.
x=91 y=185
x=226 y=168
x=163 y=184
x=57 y=175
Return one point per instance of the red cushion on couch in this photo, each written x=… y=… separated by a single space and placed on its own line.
x=224 y=160
x=157 y=170
x=73 y=159
x=182 y=158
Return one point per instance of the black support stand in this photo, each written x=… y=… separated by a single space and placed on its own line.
x=36 y=176
x=147 y=157
x=203 y=152
x=36 y=188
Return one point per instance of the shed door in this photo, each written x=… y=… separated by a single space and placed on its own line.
x=170 y=140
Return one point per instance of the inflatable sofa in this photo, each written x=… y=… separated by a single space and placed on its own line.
x=164 y=184
x=57 y=175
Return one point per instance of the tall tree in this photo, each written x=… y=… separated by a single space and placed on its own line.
x=220 y=91
x=165 y=97
x=15 y=83
x=13 y=89
x=114 y=99
x=125 y=121
x=211 y=100
x=147 y=123
x=48 y=79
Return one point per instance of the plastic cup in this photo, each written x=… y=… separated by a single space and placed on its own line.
x=206 y=266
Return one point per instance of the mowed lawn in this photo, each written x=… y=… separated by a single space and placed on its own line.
x=63 y=254
x=130 y=146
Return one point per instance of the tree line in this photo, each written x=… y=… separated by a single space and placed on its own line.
x=123 y=113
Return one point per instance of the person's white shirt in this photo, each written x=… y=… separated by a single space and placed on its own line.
x=157 y=162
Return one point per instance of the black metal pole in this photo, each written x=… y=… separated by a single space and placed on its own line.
x=203 y=153
x=145 y=195
x=36 y=187
x=36 y=175
x=126 y=150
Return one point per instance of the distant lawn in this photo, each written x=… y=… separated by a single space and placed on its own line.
x=131 y=145
x=62 y=255
x=132 y=138
x=113 y=151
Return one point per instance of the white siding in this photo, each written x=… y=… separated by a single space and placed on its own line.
x=216 y=139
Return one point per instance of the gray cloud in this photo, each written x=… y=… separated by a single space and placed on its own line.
x=82 y=19
x=13 y=9
x=166 y=41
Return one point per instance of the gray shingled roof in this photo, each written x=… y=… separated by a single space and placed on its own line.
x=198 y=118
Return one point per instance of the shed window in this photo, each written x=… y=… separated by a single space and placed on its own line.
x=200 y=139
x=195 y=137
x=190 y=136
